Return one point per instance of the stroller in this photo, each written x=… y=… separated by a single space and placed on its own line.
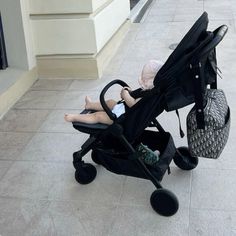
x=114 y=146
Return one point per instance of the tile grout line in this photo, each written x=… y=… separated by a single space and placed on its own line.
x=190 y=202
x=13 y=161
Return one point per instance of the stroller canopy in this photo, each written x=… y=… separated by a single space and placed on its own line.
x=196 y=49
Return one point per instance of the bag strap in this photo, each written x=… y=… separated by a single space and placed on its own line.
x=181 y=132
x=197 y=77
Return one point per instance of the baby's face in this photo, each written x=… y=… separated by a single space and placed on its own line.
x=146 y=81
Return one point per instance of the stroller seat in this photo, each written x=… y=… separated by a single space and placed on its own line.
x=114 y=146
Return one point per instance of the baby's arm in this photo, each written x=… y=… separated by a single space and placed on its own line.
x=129 y=100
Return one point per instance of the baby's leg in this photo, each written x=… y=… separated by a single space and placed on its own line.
x=91 y=118
x=90 y=105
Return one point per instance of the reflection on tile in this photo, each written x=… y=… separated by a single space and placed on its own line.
x=211 y=222
x=213 y=189
x=23 y=120
x=104 y=190
x=52 y=84
x=136 y=191
x=53 y=146
x=24 y=218
x=141 y=220
x=32 y=180
x=88 y=85
x=39 y=100
x=179 y=182
x=55 y=122
x=75 y=218
x=12 y=144
x=75 y=99
x=46 y=218
x=4 y=166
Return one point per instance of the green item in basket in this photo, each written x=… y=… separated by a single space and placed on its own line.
x=147 y=155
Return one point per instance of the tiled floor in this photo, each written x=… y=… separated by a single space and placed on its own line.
x=38 y=192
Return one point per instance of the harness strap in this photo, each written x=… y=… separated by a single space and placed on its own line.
x=140 y=93
x=181 y=132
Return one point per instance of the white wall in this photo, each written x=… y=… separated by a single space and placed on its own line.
x=76 y=34
x=14 y=33
x=109 y=20
x=17 y=33
x=65 y=6
x=69 y=28
x=28 y=32
x=64 y=36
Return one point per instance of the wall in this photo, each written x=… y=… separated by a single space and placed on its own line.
x=74 y=30
x=14 y=33
x=22 y=70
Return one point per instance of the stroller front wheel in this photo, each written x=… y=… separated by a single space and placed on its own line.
x=85 y=174
x=184 y=160
x=164 y=202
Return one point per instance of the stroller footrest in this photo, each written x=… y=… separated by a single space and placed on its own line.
x=89 y=128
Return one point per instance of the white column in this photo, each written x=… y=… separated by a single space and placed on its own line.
x=17 y=33
x=69 y=35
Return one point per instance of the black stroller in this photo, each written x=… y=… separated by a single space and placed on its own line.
x=175 y=86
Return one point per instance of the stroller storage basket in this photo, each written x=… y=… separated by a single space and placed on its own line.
x=121 y=163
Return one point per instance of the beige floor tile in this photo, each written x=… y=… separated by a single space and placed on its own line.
x=142 y=220
x=104 y=190
x=55 y=122
x=138 y=191
x=53 y=147
x=31 y=180
x=25 y=218
x=4 y=167
x=12 y=144
x=210 y=222
x=75 y=218
x=23 y=120
x=52 y=84
x=213 y=189
x=39 y=100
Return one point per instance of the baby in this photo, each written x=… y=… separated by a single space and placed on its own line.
x=148 y=74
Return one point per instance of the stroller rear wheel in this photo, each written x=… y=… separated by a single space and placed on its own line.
x=184 y=160
x=164 y=202
x=85 y=174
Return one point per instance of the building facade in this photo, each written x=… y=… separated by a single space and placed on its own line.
x=58 y=39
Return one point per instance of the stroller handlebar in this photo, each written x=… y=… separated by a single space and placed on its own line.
x=219 y=34
x=111 y=115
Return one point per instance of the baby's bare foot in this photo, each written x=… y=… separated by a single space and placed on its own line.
x=69 y=117
x=88 y=100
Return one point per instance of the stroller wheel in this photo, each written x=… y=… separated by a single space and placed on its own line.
x=164 y=202
x=85 y=174
x=184 y=160
x=94 y=158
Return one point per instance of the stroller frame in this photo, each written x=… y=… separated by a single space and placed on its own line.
x=199 y=56
x=162 y=200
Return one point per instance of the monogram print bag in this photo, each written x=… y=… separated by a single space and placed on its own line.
x=210 y=141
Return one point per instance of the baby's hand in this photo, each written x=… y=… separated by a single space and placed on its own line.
x=127 y=88
x=124 y=92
